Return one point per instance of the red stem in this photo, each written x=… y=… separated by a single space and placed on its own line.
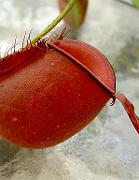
x=129 y=108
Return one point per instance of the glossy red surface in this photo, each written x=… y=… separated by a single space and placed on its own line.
x=46 y=97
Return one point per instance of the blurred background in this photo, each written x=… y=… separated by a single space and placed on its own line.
x=108 y=149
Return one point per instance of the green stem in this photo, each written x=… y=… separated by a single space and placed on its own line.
x=55 y=22
x=136 y=3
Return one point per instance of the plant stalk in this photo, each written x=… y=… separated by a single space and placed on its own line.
x=55 y=22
